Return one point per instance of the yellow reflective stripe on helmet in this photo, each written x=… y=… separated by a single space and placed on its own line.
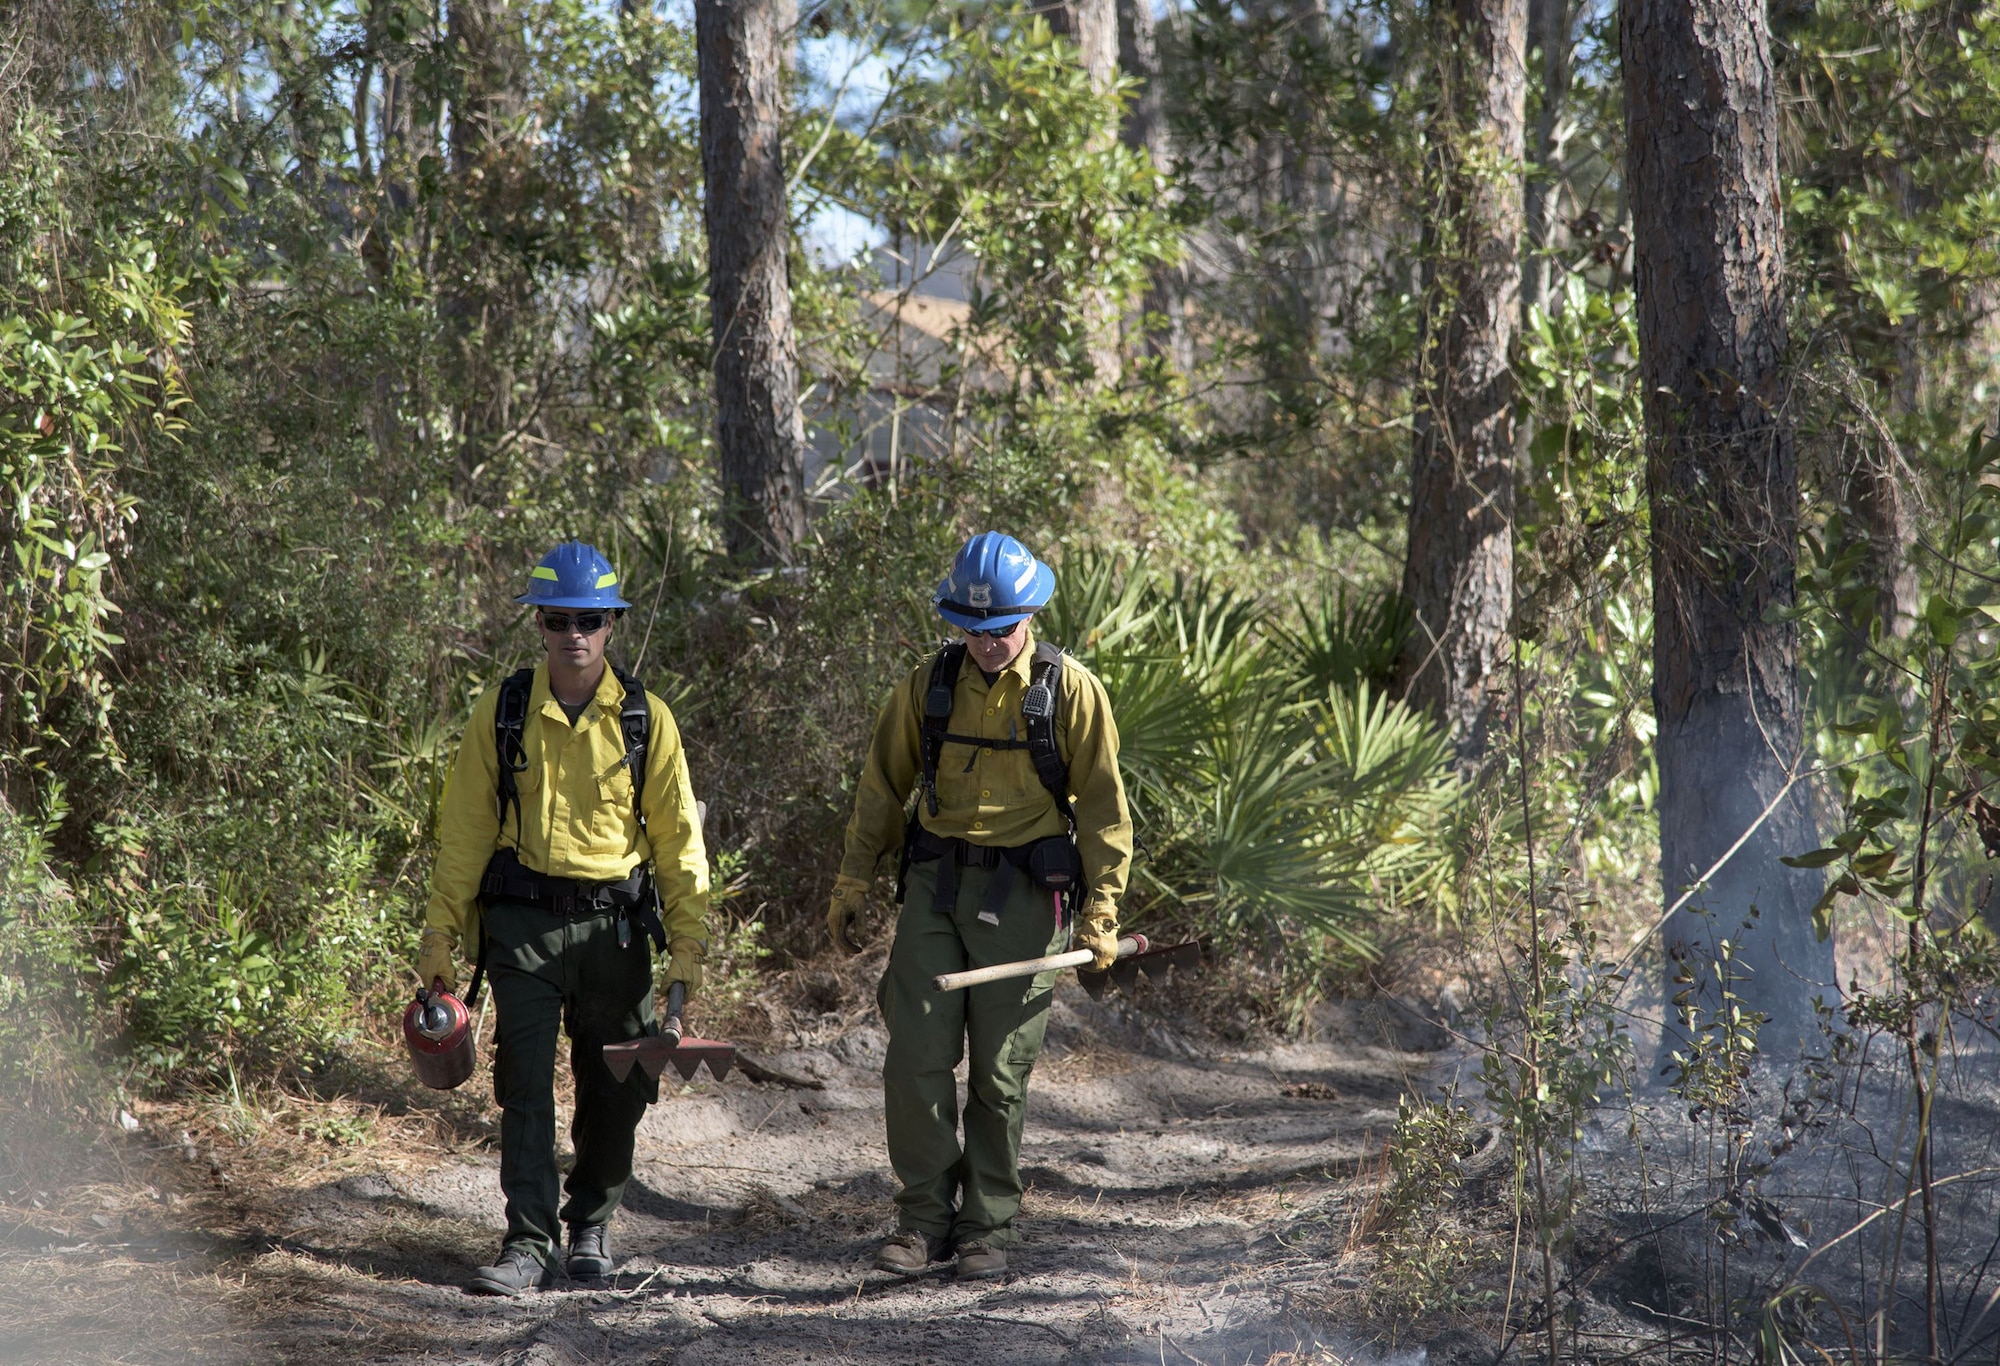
x=541 y=571
x=603 y=580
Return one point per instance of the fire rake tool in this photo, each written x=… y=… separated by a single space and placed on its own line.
x=672 y=1046
x=1135 y=955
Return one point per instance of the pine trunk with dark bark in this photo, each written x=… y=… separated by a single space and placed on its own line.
x=1093 y=26
x=1549 y=24
x=1722 y=485
x=489 y=290
x=1145 y=130
x=760 y=434
x=1459 y=575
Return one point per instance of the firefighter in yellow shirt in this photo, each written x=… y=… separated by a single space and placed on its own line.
x=568 y=840
x=1020 y=841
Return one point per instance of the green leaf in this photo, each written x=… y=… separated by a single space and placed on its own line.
x=1822 y=911
x=1941 y=615
x=1875 y=865
x=1818 y=858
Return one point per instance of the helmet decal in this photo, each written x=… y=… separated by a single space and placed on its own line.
x=980 y=596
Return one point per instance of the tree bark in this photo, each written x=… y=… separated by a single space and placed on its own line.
x=1459 y=575
x=488 y=289
x=1549 y=35
x=760 y=433
x=1722 y=485
x=1163 y=328
x=1093 y=26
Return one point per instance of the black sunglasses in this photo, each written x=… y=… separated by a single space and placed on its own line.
x=997 y=633
x=561 y=623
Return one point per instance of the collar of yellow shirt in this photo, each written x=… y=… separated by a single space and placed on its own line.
x=608 y=699
x=1021 y=666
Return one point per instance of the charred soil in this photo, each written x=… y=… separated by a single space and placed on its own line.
x=1184 y=1197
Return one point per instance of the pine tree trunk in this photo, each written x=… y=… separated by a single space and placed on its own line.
x=1459 y=576
x=1722 y=483
x=760 y=433
x=1145 y=130
x=488 y=290
x=1093 y=26
x=1549 y=37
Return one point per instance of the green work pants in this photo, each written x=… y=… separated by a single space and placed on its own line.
x=553 y=972
x=971 y=1190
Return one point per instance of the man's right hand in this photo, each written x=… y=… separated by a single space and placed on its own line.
x=435 y=960
x=1097 y=930
x=850 y=895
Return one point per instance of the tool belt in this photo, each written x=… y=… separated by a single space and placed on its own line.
x=1053 y=864
x=508 y=879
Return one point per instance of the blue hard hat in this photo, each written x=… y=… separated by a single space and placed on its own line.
x=573 y=575
x=995 y=581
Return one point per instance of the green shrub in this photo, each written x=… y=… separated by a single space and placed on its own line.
x=1284 y=803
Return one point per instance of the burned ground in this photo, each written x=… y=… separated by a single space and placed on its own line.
x=1191 y=1200
x=1183 y=1198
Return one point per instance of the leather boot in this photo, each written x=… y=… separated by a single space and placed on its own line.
x=589 y=1252
x=911 y=1252
x=515 y=1272
x=978 y=1262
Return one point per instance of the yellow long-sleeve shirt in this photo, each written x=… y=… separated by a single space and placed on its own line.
x=576 y=817
x=993 y=796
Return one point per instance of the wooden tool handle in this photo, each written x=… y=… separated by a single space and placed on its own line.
x=1055 y=962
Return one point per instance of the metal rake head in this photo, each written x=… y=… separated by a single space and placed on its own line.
x=655 y=1055
x=1153 y=962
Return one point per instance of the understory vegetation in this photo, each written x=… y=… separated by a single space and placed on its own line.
x=297 y=379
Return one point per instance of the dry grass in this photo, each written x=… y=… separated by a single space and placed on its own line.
x=1088 y=1061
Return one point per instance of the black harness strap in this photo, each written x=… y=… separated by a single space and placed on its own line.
x=937 y=715
x=1038 y=709
x=635 y=720
x=510 y=726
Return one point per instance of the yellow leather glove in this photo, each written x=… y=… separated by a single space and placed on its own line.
x=850 y=895
x=435 y=959
x=1097 y=930
x=684 y=955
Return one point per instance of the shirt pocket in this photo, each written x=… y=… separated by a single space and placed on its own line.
x=528 y=793
x=1010 y=775
x=613 y=824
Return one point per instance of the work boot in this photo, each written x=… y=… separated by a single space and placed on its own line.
x=978 y=1262
x=589 y=1252
x=515 y=1272
x=910 y=1252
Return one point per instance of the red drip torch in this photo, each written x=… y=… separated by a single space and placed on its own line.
x=438 y=1030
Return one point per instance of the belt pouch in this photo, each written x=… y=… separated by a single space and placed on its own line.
x=1055 y=865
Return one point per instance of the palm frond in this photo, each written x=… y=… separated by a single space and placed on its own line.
x=1100 y=605
x=1345 y=638
x=1163 y=720
x=1394 y=790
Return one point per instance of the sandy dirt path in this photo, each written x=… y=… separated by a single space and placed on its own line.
x=1183 y=1205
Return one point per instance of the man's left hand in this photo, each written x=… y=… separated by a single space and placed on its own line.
x=684 y=957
